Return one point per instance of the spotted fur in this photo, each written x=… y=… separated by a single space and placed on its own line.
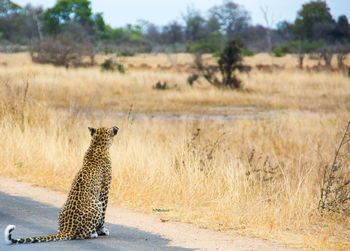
x=83 y=214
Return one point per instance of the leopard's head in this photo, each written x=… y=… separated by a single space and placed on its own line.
x=103 y=136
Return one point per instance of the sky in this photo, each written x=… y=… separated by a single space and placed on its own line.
x=161 y=12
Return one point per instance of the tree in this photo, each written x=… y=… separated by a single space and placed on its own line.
x=8 y=7
x=103 y=31
x=269 y=23
x=9 y=20
x=32 y=23
x=285 y=30
x=213 y=25
x=134 y=33
x=20 y=25
x=172 y=33
x=229 y=62
x=195 y=29
x=69 y=48
x=311 y=14
x=64 y=11
x=232 y=17
x=151 y=32
x=341 y=34
x=342 y=29
x=324 y=31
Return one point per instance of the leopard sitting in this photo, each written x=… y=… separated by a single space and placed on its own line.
x=83 y=214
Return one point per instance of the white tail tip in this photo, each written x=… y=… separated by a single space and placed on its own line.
x=7 y=233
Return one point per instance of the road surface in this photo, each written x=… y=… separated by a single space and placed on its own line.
x=33 y=219
x=34 y=211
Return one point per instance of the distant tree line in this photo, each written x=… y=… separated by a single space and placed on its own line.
x=315 y=31
x=70 y=29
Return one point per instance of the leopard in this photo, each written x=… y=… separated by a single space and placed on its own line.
x=83 y=214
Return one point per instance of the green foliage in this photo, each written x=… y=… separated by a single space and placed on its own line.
x=231 y=17
x=65 y=11
x=117 y=33
x=201 y=46
x=298 y=46
x=111 y=65
x=311 y=46
x=128 y=34
x=248 y=53
x=102 y=29
x=278 y=51
x=7 y=7
x=195 y=25
x=230 y=60
x=126 y=53
x=134 y=33
x=212 y=44
x=100 y=22
x=314 y=12
x=108 y=65
x=10 y=20
x=216 y=54
x=120 y=68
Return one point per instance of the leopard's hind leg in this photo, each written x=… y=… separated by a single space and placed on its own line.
x=88 y=220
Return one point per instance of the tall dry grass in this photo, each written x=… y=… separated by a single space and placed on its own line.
x=91 y=88
x=258 y=177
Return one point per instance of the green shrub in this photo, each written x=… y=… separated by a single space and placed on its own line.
x=202 y=46
x=110 y=65
x=298 y=47
x=229 y=61
x=248 y=53
x=278 y=52
x=126 y=53
x=120 y=68
x=212 y=44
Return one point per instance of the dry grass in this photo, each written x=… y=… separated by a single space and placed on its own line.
x=258 y=177
x=91 y=88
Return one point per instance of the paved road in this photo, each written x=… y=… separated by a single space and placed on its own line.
x=34 y=219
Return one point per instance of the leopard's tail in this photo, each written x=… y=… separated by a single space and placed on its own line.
x=54 y=237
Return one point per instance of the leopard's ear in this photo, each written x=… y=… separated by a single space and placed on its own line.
x=115 y=130
x=92 y=131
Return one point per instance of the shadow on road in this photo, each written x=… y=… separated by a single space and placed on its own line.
x=35 y=219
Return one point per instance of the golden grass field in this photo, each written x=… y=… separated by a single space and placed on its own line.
x=256 y=176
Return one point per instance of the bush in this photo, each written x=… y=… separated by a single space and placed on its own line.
x=278 y=52
x=230 y=60
x=107 y=65
x=63 y=51
x=212 y=44
x=120 y=68
x=192 y=78
x=71 y=47
x=248 y=53
x=111 y=65
x=126 y=53
x=298 y=47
